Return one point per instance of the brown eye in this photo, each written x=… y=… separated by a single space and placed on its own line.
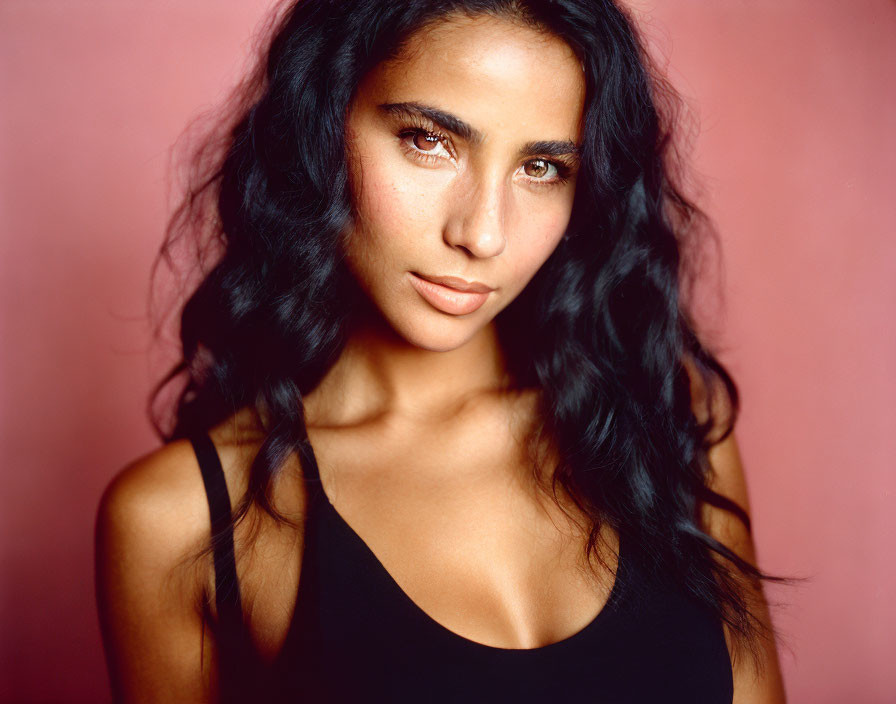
x=537 y=168
x=425 y=141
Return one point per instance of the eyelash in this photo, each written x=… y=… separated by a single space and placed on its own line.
x=564 y=171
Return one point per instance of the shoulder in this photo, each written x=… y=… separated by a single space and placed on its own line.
x=157 y=506
x=150 y=520
x=153 y=513
x=728 y=519
x=709 y=396
x=158 y=502
x=155 y=573
x=154 y=488
x=159 y=475
x=725 y=515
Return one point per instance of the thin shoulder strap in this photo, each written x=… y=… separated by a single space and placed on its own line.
x=241 y=674
x=227 y=587
x=310 y=470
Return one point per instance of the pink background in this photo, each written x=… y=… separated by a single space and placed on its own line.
x=798 y=160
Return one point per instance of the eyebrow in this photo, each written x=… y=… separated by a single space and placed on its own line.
x=452 y=123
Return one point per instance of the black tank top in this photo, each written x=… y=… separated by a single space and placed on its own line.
x=355 y=636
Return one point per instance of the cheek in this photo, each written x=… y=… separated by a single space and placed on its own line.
x=392 y=210
x=538 y=234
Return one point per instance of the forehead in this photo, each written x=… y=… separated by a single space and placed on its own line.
x=494 y=73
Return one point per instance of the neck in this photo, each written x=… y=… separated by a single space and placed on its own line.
x=380 y=374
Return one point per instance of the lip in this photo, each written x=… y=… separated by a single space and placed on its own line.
x=449 y=299
x=456 y=283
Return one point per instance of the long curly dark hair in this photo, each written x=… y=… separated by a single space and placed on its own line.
x=616 y=347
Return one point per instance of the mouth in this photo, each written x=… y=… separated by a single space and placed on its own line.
x=450 y=294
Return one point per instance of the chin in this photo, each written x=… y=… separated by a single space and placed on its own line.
x=440 y=334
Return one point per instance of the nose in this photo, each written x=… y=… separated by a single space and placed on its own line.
x=476 y=223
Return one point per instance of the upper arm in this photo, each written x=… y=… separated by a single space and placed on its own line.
x=151 y=516
x=751 y=685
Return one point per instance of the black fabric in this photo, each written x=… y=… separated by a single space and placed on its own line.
x=227 y=588
x=240 y=670
x=355 y=636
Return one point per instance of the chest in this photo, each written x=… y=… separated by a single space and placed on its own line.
x=453 y=520
x=459 y=526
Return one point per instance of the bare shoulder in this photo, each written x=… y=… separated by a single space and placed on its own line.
x=752 y=684
x=727 y=473
x=159 y=498
x=154 y=576
x=151 y=517
x=157 y=506
x=162 y=492
x=160 y=495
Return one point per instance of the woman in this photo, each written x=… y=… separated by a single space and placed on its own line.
x=445 y=416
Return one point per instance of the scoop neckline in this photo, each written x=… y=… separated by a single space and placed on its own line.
x=562 y=645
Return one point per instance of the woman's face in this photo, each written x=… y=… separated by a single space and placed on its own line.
x=463 y=163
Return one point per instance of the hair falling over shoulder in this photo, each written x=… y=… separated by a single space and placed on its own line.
x=616 y=350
